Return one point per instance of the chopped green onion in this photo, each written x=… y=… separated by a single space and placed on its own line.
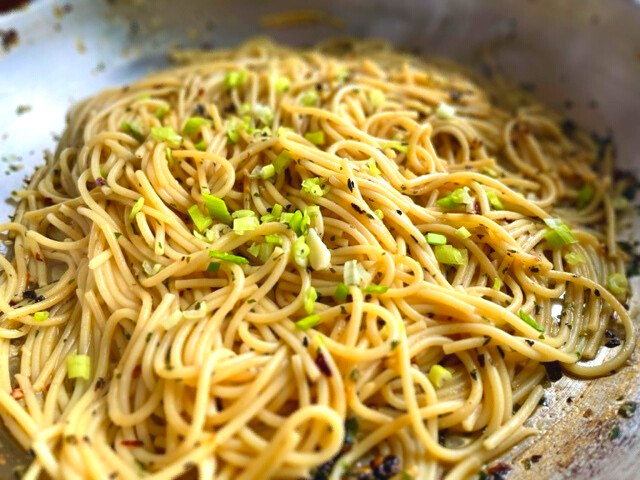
x=137 y=207
x=373 y=288
x=282 y=84
x=254 y=249
x=169 y=154
x=161 y=111
x=243 y=213
x=458 y=197
x=134 y=128
x=273 y=239
x=463 y=233
x=296 y=222
x=354 y=273
x=558 y=234
x=620 y=203
x=41 y=316
x=314 y=186
x=200 y=220
x=450 y=255
x=574 y=258
x=342 y=75
x=373 y=167
x=79 y=366
x=282 y=161
x=436 y=239
x=397 y=146
x=376 y=98
x=232 y=132
x=444 y=110
x=379 y=213
x=497 y=283
x=166 y=134
x=149 y=269
x=438 y=375
x=213 y=267
x=235 y=78
x=310 y=297
x=201 y=145
x=264 y=173
x=172 y=320
x=317 y=137
x=584 y=196
x=286 y=218
x=263 y=113
x=490 y=172
x=309 y=98
x=193 y=125
x=308 y=322
x=261 y=250
x=494 y=200
x=617 y=283
x=217 y=208
x=300 y=251
x=529 y=320
x=228 y=257
x=319 y=255
x=341 y=293
x=245 y=224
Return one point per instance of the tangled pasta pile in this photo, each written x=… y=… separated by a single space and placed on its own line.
x=271 y=263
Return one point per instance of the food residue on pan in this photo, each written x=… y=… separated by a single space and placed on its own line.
x=80 y=46
x=22 y=109
x=9 y=38
x=295 y=18
x=60 y=11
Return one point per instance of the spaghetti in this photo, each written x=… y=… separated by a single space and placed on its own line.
x=334 y=263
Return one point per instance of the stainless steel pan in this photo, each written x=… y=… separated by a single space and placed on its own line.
x=582 y=57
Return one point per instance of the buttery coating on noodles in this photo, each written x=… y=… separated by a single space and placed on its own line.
x=224 y=264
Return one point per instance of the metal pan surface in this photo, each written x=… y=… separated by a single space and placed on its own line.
x=582 y=58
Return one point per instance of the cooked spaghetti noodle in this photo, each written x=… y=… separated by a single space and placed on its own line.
x=227 y=267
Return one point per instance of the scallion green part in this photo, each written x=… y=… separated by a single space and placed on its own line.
x=379 y=213
x=529 y=320
x=295 y=222
x=375 y=289
x=194 y=124
x=245 y=224
x=436 y=239
x=450 y=255
x=373 y=167
x=137 y=207
x=397 y=146
x=314 y=186
x=310 y=297
x=341 y=293
x=228 y=257
x=574 y=258
x=558 y=234
x=273 y=239
x=232 y=132
x=438 y=375
x=463 y=233
x=490 y=172
x=134 y=128
x=497 y=283
x=460 y=196
x=201 y=145
x=282 y=161
x=585 y=194
x=217 y=208
x=300 y=251
x=308 y=322
x=309 y=98
x=79 y=366
x=161 y=111
x=617 y=283
x=494 y=200
x=213 y=267
x=201 y=220
x=41 y=316
x=317 y=137
x=166 y=134
x=282 y=84
x=444 y=110
x=235 y=78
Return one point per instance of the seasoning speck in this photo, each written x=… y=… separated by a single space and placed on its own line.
x=627 y=409
x=21 y=109
x=9 y=38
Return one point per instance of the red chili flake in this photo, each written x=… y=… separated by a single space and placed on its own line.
x=17 y=393
x=132 y=443
x=322 y=364
x=136 y=371
x=38 y=256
